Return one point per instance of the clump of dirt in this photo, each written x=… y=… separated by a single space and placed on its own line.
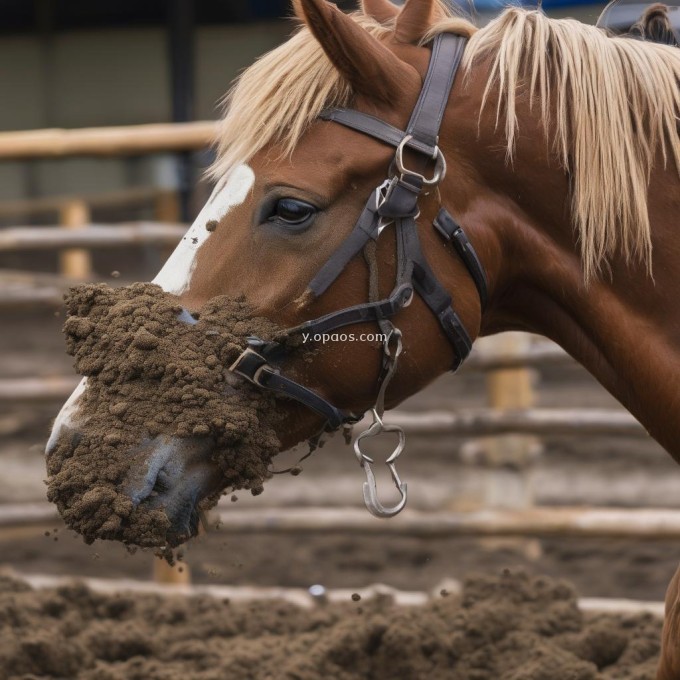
x=152 y=375
x=511 y=627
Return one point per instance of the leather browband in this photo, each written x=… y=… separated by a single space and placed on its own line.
x=374 y=127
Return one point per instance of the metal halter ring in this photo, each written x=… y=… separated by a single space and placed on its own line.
x=394 y=334
x=437 y=157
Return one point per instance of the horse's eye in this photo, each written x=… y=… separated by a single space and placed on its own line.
x=292 y=213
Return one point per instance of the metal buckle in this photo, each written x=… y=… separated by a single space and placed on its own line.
x=381 y=194
x=439 y=168
x=395 y=335
x=255 y=378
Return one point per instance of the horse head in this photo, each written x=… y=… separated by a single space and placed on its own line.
x=290 y=186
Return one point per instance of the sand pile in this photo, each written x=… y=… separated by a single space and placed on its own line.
x=150 y=375
x=510 y=627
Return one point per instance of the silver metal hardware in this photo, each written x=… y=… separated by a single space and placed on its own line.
x=392 y=348
x=438 y=158
x=371 y=500
x=381 y=194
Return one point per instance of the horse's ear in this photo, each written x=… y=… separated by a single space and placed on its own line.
x=369 y=67
x=297 y=10
x=381 y=10
x=415 y=20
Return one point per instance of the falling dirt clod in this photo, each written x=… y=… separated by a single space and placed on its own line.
x=151 y=375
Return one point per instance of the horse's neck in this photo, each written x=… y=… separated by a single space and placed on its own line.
x=624 y=329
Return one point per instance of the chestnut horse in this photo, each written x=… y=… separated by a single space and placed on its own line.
x=563 y=168
x=655 y=24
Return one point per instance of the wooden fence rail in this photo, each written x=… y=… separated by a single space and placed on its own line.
x=543 y=422
x=637 y=523
x=35 y=390
x=535 y=356
x=91 y=236
x=316 y=596
x=108 y=141
x=23 y=298
x=132 y=197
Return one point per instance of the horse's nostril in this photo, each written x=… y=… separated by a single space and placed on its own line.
x=156 y=453
x=176 y=475
x=187 y=317
x=162 y=483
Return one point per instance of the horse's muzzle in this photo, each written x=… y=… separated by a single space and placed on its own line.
x=165 y=473
x=174 y=475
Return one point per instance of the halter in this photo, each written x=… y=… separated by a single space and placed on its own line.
x=394 y=204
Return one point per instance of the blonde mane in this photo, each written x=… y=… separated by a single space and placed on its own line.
x=284 y=91
x=610 y=105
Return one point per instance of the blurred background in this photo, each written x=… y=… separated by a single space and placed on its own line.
x=107 y=112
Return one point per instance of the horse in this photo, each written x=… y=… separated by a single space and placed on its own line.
x=553 y=185
x=655 y=25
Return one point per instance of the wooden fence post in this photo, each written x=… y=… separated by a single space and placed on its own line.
x=176 y=575
x=76 y=263
x=167 y=209
x=511 y=455
x=508 y=459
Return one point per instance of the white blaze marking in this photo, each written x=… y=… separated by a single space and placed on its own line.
x=175 y=277
x=66 y=416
